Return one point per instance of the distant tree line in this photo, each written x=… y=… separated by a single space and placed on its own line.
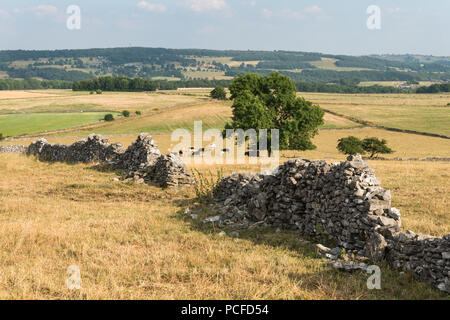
x=322 y=75
x=33 y=84
x=434 y=88
x=115 y=84
x=347 y=88
x=139 y=84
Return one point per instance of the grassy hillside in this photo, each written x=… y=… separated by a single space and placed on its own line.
x=160 y=63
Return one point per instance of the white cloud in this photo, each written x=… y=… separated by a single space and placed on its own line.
x=41 y=11
x=45 y=10
x=152 y=7
x=393 y=10
x=315 y=9
x=253 y=3
x=4 y=14
x=266 y=13
x=206 y=5
x=291 y=14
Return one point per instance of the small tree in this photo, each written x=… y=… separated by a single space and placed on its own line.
x=98 y=91
x=375 y=146
x=138 y=113
x=1 y=136
x=219 y=93
x=350 y=145
x=126 y=113
x=109 y=117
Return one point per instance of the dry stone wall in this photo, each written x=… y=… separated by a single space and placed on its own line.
x=140 y=154
x=13 y=149
x=94 y=149
x=142 y=161
x=170 y=171
x=344 y=201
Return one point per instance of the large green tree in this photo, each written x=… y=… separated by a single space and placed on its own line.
x=271 y=102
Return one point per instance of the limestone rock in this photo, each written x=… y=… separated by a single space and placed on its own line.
x=13 y=149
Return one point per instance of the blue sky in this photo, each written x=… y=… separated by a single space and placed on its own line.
x=328 y=26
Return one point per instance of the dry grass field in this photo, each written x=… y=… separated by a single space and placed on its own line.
x=406 y=146
x=136 y=241
x=31 y=112
x=213 y=115
x=425 y=113
x=12 y=101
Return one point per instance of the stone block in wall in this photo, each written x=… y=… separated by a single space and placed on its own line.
x=95 y=149
x=140 y=154
x=13 y=149
x=168 y=171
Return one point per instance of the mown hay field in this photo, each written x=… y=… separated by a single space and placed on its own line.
x=31 y=101
x=425 y=113
x=32 y=112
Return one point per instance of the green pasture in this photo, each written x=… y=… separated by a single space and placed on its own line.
x=18 y=124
